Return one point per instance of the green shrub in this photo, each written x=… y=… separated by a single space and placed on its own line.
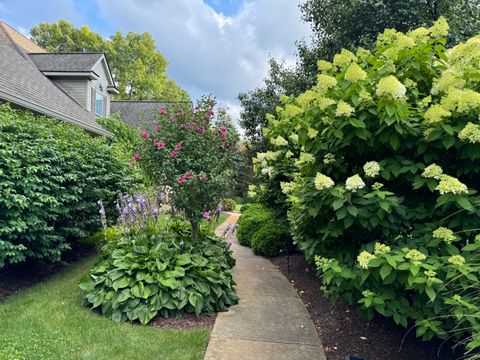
x=251 y=220
x=269 y=239
x=51 y=176
x=141 y=276
x=229 y=204
x=379 y=162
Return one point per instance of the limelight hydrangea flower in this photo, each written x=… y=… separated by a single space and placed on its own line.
x=305 y=158
x=280 y=141
x=391 y=86
x=344 y=109
x=470 y=133
x=323 y=65
x=365 y=95
x=287 y=187
x=440 y=28
x=444 y=234
x=450 y=185
x=377 y=186
x=381 y=249
x=448 y=80
x=325 y=82
x=293 y=137
x=292 y=110
x=461 y=100
x=433 y=171
x=355 y=73
x=345 y=57
x=306 y=98
x=312 y=133
x=362 y=53
x=283 y=98
x=419 y=35
x=415 y=256
x=354 y=183
x=457 y=260
x=288 y=154
x=430 y=273
x=324 y=102
x=273 y=155
x=435 y=114
x=371 y=168
x=323 y=262
x=267 y=171
x=323 y=182
x=364 y=258
x=328 y=158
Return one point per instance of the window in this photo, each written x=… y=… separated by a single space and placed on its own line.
x=99 y=102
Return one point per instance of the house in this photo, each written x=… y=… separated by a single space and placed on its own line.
x=74 y=87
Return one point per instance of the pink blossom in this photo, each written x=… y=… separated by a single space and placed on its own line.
x=144 y=134
x=182 y=126
x=181 y=179
x=191 y=124
x=137 y=156
x=224 y=133
x=187 y=175
x=132 y=163
x=197 y=107
x=160 y=145
x=201 y=129
x=163 y=111
x=206 y=215
x=174 y=154
x=178 y=146
x=158 y=128
x=171 y=118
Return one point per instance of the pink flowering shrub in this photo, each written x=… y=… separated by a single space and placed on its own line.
x=190 y=154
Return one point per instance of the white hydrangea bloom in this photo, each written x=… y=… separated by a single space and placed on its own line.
x=391 y=86
x=433 y=171
x=354 y=183
x=323 y=182
x=371 y=169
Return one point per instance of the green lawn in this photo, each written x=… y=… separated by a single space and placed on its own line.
x=48 y=321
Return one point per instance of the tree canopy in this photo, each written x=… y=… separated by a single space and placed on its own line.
x=137 y=66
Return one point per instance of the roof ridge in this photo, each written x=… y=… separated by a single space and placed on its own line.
x=3 y=24
x=70 y=53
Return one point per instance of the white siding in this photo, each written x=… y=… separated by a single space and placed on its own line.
x=75 y=88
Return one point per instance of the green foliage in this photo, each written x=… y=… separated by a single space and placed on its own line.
x=253 y=217
x=51 y=177
x=165 y=274
x=191 y=156
x=137 y=66
x=229 y=204
x=270 y=239
x=379 y=165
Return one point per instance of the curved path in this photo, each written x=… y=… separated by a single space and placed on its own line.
x=270 y=321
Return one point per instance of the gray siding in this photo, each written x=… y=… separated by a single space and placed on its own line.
x=76 y=88
x=101 y=69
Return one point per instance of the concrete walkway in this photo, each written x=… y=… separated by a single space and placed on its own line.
x=270 y=321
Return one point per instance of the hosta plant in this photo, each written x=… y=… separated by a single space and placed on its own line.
x=379 y=162
x=154 y=268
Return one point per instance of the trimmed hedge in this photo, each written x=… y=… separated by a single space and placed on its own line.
x=251 y=220
x=51 y=176
x=270 y=239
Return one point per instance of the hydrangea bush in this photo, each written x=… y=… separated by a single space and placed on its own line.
x=379 y=164
x=190 y=154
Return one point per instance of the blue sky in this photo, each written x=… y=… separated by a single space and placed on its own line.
x=213 y=46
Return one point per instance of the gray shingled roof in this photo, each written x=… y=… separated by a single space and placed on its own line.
x=65 y=61
x=140 y=113
x=23 y=84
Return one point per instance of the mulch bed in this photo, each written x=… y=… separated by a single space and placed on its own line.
x=344 y=331
x=185 y=322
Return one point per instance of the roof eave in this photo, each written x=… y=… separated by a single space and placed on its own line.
x=40 y=109
x=71 y=74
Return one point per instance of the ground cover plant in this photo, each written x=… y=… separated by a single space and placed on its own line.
x=379 y=165
x=150 y=268
x=48 y=321
x=51 y=176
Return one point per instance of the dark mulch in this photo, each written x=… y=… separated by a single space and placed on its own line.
x=185 y=322
x=26 y=274
x=345 y=332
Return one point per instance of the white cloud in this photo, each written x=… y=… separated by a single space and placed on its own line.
x=208 y=51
